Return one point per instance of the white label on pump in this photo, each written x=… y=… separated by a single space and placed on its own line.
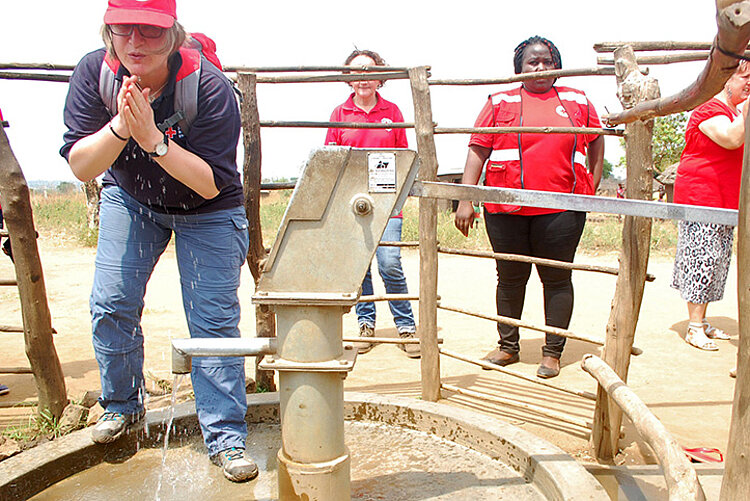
x=381 y=170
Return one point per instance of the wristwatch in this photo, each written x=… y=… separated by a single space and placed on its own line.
x=161 y=148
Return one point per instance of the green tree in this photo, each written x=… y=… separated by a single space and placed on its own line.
x=669 y=140
x=607 y=169
x=667 y=143
x=66 y=187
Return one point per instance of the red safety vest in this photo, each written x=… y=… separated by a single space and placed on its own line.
x=505 y=165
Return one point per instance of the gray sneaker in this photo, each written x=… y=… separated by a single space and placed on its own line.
x=237 y=467
x=363 y=346
x=411 y=350
x=112 y=425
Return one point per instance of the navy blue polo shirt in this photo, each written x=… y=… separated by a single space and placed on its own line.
x=213 y=136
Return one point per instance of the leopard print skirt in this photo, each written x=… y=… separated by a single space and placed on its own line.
x=701 y=264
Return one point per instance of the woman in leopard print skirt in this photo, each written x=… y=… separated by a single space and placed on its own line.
x=709 y=175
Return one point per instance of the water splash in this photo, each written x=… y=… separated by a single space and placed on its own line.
x=176 y=381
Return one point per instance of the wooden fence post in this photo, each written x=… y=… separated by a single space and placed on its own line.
x=265 y=319
x=633 y=87
x=428 y=262
x=736 y=481
x=92 y=189
x=37 y=323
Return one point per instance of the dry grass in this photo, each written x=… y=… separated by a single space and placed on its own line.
x=64 y=215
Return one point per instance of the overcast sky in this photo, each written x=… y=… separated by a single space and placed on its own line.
x=468 y=39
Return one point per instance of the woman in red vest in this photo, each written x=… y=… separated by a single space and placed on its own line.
x=546 y=162
x=709 y=174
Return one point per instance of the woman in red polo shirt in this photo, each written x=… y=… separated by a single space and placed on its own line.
x=709 y=174
x=366 y=105
x=546 y=162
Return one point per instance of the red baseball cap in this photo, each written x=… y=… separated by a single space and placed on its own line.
x=161 y=13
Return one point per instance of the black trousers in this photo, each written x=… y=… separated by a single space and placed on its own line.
x=551 y=236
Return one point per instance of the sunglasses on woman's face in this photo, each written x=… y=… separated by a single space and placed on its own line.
x=146 y=30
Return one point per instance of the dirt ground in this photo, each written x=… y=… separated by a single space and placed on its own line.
x=688 y=389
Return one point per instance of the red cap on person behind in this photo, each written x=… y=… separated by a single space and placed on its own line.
x=162 y=13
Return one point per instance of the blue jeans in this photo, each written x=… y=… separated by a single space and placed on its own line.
x=389 y=267
x=211 y=249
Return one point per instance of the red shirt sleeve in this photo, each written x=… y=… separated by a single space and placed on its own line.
x=333 y=137
x=485 y=119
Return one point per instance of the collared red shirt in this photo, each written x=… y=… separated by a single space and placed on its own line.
x=383 y=112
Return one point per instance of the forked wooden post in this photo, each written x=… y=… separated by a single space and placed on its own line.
x=37 y=323
x=736 y=481
x=428 y=256
x=680 y=476
x=265 y=320
x=632 y=88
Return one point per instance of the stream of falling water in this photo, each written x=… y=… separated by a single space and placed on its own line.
x=176 y=381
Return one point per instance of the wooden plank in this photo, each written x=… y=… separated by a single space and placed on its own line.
x=529 y=130
x=351 y=77
x=652 y=45
x=535 y=260
x=663 y=59
x=15 y=370
x=8 y=282
x=526 y=76
x=37 y=321
x=265 y=319
x=541 y=382
x=558 y=416
x=385 y=340
x=526 y=325
x=428 y=262
x=337 y=125
x=636 y=239
x=736 y=481
x=11 y=328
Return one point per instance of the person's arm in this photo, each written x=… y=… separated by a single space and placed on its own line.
x=92 y=155
x=186 y=167
x=595 y=157
x=475 y=159
x=729 y=134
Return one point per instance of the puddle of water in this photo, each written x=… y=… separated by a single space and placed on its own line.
x=388 y=463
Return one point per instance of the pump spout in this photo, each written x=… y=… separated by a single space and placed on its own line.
x=183 y=350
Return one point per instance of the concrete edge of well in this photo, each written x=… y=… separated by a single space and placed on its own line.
x=557 y=475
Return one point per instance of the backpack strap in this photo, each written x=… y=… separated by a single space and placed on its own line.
x=186 y=87
x=109 y=86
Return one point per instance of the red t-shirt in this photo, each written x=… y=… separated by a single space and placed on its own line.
x=383 y=112
x=708 y=174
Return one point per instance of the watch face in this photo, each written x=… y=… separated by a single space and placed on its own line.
x=161 y=149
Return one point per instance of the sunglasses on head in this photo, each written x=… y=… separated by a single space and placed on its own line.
x=145 y=30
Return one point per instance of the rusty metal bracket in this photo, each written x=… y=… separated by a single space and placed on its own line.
x=345 y=363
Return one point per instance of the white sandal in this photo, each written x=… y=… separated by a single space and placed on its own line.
x=697 y=337
x=714 y=332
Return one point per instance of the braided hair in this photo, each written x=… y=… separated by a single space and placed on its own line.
x=521 y=48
